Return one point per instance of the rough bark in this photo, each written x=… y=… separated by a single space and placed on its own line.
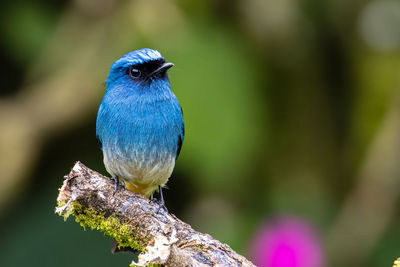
x=134 y=221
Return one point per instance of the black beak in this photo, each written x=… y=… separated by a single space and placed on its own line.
x=162 y=68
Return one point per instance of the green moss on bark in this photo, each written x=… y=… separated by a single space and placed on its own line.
x=111 y=225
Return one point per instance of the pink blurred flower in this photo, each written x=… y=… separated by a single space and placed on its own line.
x=287 y=242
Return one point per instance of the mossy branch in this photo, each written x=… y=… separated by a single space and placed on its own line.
x=138 y=223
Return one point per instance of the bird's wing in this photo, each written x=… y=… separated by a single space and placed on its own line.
x=98 y=126
x=180 y=137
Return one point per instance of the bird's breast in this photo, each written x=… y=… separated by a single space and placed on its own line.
x=139 y=140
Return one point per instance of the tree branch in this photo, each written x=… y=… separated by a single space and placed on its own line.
x=138 y=223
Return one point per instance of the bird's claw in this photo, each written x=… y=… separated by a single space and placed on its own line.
x=161 y=202
x=117 y=184
x=161 y=205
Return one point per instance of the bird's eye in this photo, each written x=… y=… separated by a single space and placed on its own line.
x=134 y=73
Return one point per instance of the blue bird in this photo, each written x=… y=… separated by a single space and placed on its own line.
x=140 y=122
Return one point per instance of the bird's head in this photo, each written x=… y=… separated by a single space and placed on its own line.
x=139 y=67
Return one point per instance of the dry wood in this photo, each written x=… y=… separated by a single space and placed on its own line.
x=162 y=238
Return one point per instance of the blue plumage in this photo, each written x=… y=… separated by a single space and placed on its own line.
x=140 y=121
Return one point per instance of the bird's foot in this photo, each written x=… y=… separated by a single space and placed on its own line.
x=161 y=205
x=117 y=184
x=160 y=202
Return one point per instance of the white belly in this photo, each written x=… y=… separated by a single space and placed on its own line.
x=139 y=170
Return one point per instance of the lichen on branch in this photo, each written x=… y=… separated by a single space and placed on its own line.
x=138 y=223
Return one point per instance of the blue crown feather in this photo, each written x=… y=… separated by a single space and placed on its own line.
x=137 y=57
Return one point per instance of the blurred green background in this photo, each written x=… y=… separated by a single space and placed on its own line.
x=291 y=107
